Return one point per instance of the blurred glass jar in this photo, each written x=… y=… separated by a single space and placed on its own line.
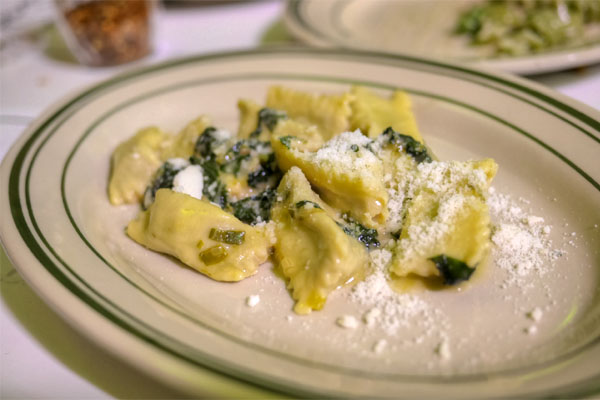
x=107 y=32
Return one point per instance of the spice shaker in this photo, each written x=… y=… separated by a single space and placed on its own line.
x=106 y=32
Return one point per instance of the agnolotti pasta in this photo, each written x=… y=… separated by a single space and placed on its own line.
x=348 y=179
x=446 y=206
x=312 y=250
x=201 y=235
x=313 y=183
x=372 y=114
x=329 y=114
x=135 y=161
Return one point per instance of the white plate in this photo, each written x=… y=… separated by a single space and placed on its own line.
x=418 y=27
x=68 y=242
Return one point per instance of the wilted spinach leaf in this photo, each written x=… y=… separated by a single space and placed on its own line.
x=252 y=210
x=267 y=117
x=451 y=269
x=412 y=147
x=302 y=203
x=163 y=179
x=268 y=169
x=366 y=236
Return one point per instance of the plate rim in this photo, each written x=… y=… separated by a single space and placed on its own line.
x=532 y=64
x=52 y=111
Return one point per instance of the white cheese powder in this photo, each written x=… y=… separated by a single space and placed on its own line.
x=379 y=346
x=535 y=314
x=347 y=322
x=222 y=135
x=338 y=153
x=443 y=350
x=522 y=246
x=371 y=316
x=178 y=163
x=531 y=330
x=394 y=310
x=190 y=181
x=253 y=300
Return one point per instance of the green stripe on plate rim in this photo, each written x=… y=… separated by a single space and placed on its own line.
x=293 y=8
x=47 y=262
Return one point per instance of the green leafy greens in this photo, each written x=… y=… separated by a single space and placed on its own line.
x=163 y=179
x=451 y=269
x=287 y=141
x=268 y=118
x=267 y=170
x=206 y=144
x=204 y=155
x=255 y=209
x=366 y=236
x=303 y=203
x=412 y=147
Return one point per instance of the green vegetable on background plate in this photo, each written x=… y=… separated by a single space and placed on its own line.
x=521 y=27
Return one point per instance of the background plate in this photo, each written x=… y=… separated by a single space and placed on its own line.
x=420 y=28
x=68 y=242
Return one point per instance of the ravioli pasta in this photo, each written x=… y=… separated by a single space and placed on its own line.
x=313 y=183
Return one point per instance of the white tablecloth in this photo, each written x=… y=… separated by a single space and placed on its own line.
x=41 y=356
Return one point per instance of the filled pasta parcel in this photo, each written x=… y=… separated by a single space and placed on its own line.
x=311 y=183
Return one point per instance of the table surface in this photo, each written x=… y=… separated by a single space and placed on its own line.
x=40 y=355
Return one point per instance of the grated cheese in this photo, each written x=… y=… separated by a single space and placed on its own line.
x=535 y=314
x=347 y=322
x=338 y=154
x=522 y=246
x=190 y=180
x=531 y=330
x=394 y=309
x=379 y=346
x=443 y=350
x=371 y=316
x=445 y=181
x=252 y=300
x=222 y=135
x=178 y=162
